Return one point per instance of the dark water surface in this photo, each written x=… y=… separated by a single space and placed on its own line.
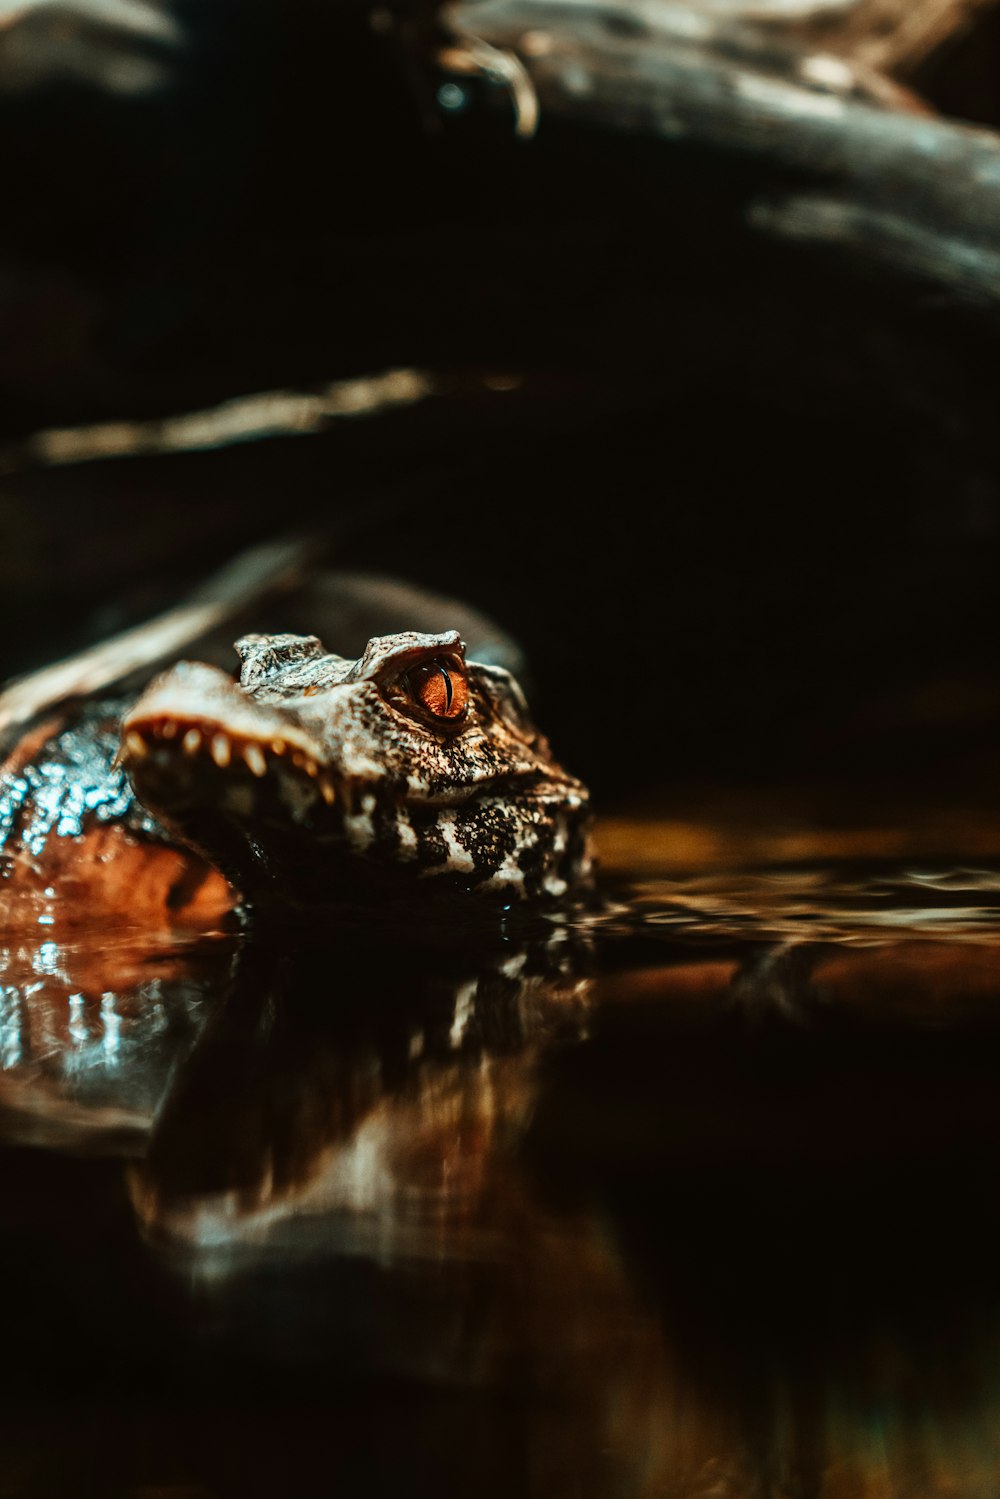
x=697 y=1197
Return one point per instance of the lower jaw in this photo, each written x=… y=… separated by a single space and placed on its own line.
x=280 y=878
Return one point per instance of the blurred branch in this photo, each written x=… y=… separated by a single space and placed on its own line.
x=894 y=36
x=270 y=413
x=264 y=571
x=916 y=195
x=126 y=47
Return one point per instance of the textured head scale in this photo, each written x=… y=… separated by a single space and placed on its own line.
x=314 y=776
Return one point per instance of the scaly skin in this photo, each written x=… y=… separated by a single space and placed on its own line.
x=318 y=779
x=78 y=850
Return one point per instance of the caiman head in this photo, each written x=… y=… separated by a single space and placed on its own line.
x=314 y=778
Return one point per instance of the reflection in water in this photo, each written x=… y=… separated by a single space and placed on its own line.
x=90 y=1031
x=354 y=1097
x=857 y=906
x=695 y=1198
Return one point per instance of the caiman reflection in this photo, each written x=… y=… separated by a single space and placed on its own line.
x=356 y=1097
x=91 y=1031
x=660 y=1202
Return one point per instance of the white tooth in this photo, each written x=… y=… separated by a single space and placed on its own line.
x=136 y=745
x=312 y=769
x=221 y=750
x=254 y=756
x=169 y=729
x=328 y=793
x=278 y=745
x=192 y=741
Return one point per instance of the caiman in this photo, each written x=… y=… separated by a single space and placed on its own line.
x=311 y=779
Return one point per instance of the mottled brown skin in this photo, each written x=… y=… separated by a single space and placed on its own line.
x=315 y=778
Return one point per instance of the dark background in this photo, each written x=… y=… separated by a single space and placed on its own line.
x=741 y=507
x=738 y=497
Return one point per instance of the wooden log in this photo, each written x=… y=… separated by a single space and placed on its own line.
x=915 y=196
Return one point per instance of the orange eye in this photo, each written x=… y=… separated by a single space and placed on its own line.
x=441 y=687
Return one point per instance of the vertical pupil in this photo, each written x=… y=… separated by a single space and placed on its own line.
x=440 y=687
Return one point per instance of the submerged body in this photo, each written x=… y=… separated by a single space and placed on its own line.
x=313 y=779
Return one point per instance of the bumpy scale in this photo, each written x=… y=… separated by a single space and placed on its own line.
x=315 y=776
x=316 y=779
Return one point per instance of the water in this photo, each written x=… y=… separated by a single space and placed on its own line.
x=696 y=1197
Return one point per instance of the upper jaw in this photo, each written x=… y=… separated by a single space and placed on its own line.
x=194 y=724
x=205 y=698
